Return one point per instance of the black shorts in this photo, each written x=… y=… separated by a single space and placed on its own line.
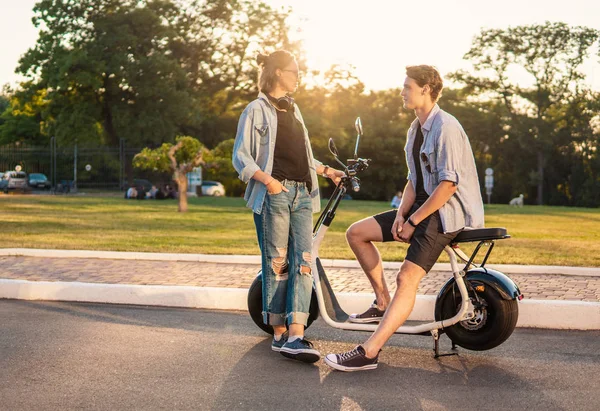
x=427 y=242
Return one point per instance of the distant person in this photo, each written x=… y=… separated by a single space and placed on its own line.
x=396 y=200
x=170 y=192
x=273 y=155
x=141 y=193
x=152 y=192
x=131 y=193
x=159 y=195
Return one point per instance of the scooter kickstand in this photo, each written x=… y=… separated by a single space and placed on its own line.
x=436 y=346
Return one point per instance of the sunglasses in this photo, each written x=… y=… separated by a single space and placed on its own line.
x=293 y=71
x=425 y=161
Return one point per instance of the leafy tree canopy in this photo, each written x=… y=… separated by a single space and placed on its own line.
x=536 y=116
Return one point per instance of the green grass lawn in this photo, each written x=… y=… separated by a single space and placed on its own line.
x=541 y=235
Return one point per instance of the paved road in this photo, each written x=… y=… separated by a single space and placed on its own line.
x=92 y=270
x=91 y=356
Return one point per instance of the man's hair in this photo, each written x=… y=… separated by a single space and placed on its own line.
x=427 y=75
x=268 y=65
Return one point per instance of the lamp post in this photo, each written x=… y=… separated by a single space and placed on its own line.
x=75 y=167
x=53 y=163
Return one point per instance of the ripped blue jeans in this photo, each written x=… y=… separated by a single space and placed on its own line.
x=284 y=230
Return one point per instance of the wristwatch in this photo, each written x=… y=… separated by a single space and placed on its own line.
x=411 y=223
x=324 y=173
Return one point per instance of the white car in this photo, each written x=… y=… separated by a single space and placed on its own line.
x=14 y=180
x=213 y=188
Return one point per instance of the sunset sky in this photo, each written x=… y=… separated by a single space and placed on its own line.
x=377 y=37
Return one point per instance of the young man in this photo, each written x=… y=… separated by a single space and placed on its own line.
x=442 y=196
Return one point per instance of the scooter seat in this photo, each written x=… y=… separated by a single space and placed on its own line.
x=481 y=234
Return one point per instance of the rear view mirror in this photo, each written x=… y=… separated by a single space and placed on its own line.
x=334 y=151
x=333 y=148
x=358 y=126
x=359 y=130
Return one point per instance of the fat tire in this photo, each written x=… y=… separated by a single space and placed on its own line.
x=255 y=306
x=502 y=316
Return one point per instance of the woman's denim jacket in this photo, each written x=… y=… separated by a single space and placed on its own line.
x=254 y=149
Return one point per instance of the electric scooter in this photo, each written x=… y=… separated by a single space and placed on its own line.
x=477 y=308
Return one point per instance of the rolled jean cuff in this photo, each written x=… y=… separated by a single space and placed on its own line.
x=273 y=319
x=297 y=318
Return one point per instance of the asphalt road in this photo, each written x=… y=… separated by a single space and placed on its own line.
x=92 y=356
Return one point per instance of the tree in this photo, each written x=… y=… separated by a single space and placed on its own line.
x=330 y=110
x=22 y=118
x=551 y=54
x=4 y=102
x=108 y=70
x=219 y=167
x=219 y=40
x=178 y=159
x=147 y=70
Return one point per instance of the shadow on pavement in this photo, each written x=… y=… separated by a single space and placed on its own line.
x=262 y=379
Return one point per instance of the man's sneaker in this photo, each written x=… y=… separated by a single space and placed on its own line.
x=276 y=345
x=353 y=360
x=301 y=350
x=372 y=315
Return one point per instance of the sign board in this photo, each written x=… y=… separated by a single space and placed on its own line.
x=489 y=182
x=194 y=178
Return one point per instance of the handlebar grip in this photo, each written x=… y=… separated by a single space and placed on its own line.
x=355 y=185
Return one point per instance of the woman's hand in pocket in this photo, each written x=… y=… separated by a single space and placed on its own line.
x=275 y=187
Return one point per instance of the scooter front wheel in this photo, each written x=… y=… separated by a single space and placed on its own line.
x=494 y=321
x=255 y=305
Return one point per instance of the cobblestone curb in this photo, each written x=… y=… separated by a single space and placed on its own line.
x=254 y=259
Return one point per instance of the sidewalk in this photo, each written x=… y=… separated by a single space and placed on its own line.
x=235 y=274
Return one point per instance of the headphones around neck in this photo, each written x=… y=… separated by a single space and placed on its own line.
x=283 y=103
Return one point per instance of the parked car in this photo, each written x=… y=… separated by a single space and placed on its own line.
x=39 y=180
x=213 y=188
x=13 y=180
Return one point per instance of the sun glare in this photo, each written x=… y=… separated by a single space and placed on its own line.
x=380 y=37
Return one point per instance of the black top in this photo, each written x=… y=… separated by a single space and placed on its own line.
x=422 y=195
x=291 y=160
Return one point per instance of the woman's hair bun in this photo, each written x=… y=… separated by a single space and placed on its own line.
x=261 y=59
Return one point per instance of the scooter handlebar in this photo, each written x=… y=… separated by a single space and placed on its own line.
x=357 y=165
x=354 y=167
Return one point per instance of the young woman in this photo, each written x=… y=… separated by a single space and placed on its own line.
x=272 y=153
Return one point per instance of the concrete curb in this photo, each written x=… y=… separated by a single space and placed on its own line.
x=255 y=259
x=532 y=313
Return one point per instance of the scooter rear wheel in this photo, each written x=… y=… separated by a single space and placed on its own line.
x=255 y=305
x=494 y=321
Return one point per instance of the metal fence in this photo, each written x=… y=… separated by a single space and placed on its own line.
x=78 y=166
